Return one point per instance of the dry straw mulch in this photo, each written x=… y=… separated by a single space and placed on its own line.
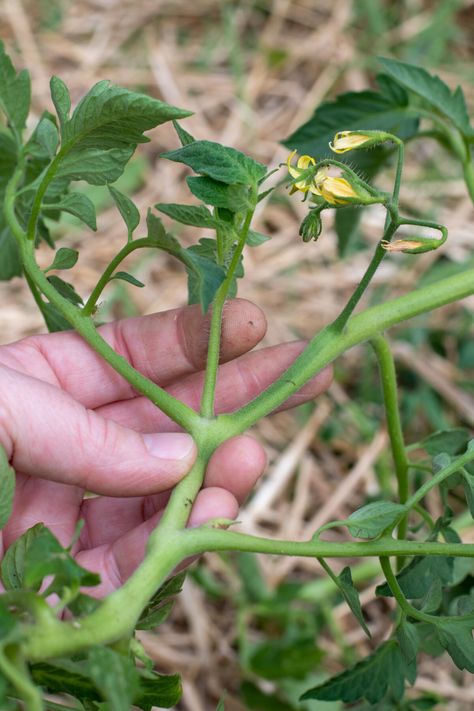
x=251 y=72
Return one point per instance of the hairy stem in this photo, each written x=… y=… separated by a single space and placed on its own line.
x=213 y=353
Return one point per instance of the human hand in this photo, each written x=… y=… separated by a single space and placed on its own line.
x=69 y=424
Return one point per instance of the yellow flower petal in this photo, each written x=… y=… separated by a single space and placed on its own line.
x=335 y=190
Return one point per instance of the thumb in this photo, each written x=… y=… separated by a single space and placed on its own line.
x=48 y=434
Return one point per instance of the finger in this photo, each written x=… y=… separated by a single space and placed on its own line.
x=49 y=435
x=116 y=562
x=162 y=346
x=239 y=381
x=235 y=466
x=37 y=500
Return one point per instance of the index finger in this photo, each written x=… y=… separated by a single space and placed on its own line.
x=162 y=346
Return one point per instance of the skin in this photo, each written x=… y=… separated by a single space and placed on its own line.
x=70 y=424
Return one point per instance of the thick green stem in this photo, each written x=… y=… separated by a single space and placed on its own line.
x=390 y=395
x=213 y=353
x=108 y=272
x=329 y=344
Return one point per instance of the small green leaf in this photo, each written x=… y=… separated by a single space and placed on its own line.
x=185 y=138
x=55 y=321
x=7 y=488
x=204 y=279
x=161 y=604
x=46 y=135
x=372 y=520
x=127 y=209
x=10 y=262
x=219 y=194
x=65 y=258
x=381 y=672
x=219 y=162
x=351 y=596
x=451 y=441
x=158 y=690
x=198 y=216
x=125 y=276
x=115 y=676
x=13 y=563
x=76 y=204
x=45 y=556
x=15 y=91
x=61 y=99
x=158 y=235
x=255 y=239
x=66 y=290
x=408 y=640
x=431 y=89
x=456 y=638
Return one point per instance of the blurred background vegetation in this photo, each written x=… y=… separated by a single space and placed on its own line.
x=253 y=71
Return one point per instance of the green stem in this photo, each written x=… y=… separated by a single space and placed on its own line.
x=208 y=394
x=329 y=344
x=390 y=395
x=90 y=305
x=468 y=172
x=13 y=666
x=203 y=539
x=443 y=474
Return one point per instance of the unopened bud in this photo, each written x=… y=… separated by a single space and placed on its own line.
x=350 y=140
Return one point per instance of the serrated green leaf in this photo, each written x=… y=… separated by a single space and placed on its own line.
x=417 y=578
x=115 y=676
x=222 y=163
x=109 y=116
x=451 y=441
x=408 y=640
x=455 y=636
x=125 y=276
x=61 y=99
x=372 y=520
x=219 y=194
x=185 y=138
x=351 y=596
x=65 y=258
x=66 y=290
x=370 y=678
x=76 y=204
x=13 y=563
x=96 y=166
x=7 y=488
x=160 y=238
x=353 y=111
x=45 y=556
x=127 y=209
x=196 y=215
x=431 y=89
x=15 y=91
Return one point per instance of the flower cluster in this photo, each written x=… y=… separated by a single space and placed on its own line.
x=335 y=191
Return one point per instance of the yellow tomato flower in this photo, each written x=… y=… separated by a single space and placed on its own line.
x=348 y=140
x=302 y=165
x=336 y=190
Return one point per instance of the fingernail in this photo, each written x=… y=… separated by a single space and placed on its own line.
x=170 y=445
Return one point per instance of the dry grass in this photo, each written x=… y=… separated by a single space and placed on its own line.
x=251 y=76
